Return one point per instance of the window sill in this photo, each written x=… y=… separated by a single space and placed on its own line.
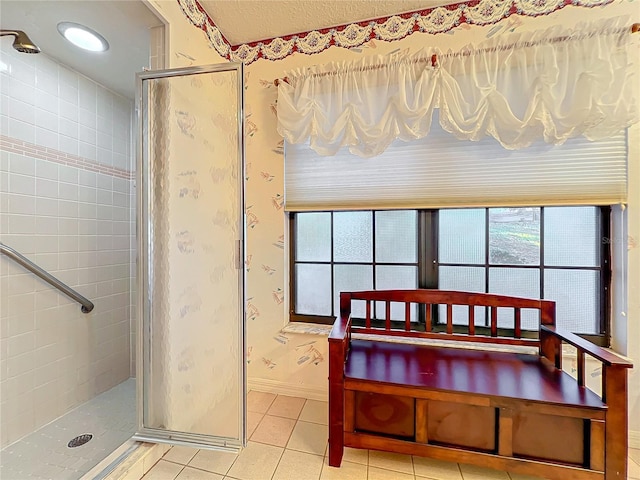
x=306 y=328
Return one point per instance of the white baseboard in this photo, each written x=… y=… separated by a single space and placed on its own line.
x=291 y=389
x=634 y=439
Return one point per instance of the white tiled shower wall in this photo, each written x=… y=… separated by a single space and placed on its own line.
x=66 y=203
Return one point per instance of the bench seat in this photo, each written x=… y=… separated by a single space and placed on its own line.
x=487 y=373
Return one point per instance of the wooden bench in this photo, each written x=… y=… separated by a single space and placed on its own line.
x=514 y=410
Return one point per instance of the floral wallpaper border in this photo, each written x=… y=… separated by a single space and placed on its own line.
x=395 y=27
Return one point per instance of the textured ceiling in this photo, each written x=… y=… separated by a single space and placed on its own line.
x=126 y=24
x=246 y=21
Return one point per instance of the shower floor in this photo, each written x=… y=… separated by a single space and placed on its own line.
x=44 y=454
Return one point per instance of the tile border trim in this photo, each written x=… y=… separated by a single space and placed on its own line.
x=20 y=147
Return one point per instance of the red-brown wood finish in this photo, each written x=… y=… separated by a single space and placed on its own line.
x=524 y=396
x=339 y=339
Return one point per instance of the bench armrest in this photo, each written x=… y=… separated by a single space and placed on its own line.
x=606 y=357
x=340 y=329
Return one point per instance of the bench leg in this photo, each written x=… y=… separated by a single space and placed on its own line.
x=336 y=448
x=616 y=442
x=336 y=403
x=336 y=425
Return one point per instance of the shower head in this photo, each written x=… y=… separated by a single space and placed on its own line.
x=22 y=42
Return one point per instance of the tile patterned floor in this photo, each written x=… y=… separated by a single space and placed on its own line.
x=288 y=441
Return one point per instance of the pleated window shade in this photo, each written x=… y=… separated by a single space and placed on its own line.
x=440 y=171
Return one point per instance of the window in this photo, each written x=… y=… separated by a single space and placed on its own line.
x=541 y=252
x=432 y=195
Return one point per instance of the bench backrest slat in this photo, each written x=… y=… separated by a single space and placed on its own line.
x=368 y=319
x=407 y=316
x=580 y=361
x=427 y=300
x=472 y=320
x=494 y=321
x=387 y=314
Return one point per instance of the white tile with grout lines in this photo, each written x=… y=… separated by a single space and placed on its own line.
x=315 y=411
x=213 y=461
x=288 y=407
x=273 y=430
x=298 y=466
x=347 y=471
x=436 y=469
x=376 y=473
x=391 y=461
x=163 y=470
x=305 y=457
x=189 y=473
x=181 y=455
x=256 y=461
x=634 y=470
x=253 y=420
x=355 y=455
x=309 y=438
x=259 y=402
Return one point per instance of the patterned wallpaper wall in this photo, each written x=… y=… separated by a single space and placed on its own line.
x=275 y=356
x=297 y=362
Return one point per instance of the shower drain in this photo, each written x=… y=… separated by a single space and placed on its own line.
x=79 y=440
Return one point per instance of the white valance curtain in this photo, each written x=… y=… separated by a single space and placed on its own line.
x=552 y=85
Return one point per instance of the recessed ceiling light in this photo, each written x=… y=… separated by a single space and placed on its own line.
x=83 y=37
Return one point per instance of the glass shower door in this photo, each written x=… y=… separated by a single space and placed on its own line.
x=190 y=363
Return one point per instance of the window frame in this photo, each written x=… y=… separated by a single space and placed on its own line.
x=428 y=267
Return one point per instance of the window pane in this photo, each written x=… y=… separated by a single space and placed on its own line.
x=466 y=279
x=516 y=282
x=396 y=278
x=571 y=236
x=313 y=289
x=461 y=236
x=396 y=236
x=349 y=278
x=576 y=293
x=353 y=236
x=514 y=236
x=313 y=237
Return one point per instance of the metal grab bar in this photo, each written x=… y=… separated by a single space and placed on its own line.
x=87 y=306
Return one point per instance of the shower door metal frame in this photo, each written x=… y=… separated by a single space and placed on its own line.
x=145 y=267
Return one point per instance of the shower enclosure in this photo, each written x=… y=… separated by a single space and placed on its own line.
x=191 y=372
x=67 y=205
x=68 y=193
